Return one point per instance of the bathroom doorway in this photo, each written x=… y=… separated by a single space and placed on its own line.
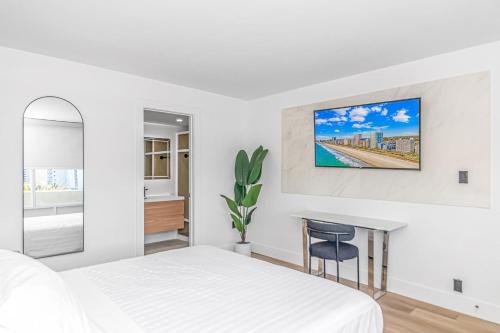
x=167 y=181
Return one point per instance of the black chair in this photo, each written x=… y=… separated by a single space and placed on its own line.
x=333 y=246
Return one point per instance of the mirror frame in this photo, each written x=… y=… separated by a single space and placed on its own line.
x=83 y=168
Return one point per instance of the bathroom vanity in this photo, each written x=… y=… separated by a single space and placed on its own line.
x=163 y=213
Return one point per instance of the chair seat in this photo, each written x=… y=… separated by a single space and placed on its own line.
x=328 y=250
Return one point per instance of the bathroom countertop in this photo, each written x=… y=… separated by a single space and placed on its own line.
x=162 y=197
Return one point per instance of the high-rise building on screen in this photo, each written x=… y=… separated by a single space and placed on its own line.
x=376 y=138
x=356 y=141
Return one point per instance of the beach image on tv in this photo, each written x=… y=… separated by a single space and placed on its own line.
x=379 y=135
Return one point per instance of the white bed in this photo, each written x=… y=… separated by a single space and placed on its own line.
x=54 y=234
x=206 y=289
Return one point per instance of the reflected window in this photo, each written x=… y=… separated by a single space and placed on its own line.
x=45 y=188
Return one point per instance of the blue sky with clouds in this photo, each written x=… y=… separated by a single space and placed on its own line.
x=397 y=118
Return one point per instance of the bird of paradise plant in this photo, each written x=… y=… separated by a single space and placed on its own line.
x=247 y=189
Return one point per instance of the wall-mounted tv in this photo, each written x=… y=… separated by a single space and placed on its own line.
x=383 y=135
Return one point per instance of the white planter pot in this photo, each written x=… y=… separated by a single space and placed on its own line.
x=243 y=248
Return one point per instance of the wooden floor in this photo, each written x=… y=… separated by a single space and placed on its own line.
x=406 y=315
x=401 y=314
x=164 y=246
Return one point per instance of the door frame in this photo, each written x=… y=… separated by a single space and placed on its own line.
x=177 y=151
x=180 y=110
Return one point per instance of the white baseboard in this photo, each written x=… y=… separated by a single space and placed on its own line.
x=449 y=300
x=159 y=237
x=288 y=256
x=347 y=270
x=182 y=238
x=164 y=236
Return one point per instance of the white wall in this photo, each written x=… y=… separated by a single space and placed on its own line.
x=163 y=186
x=111 y=105
x=445 y=116
x=440 y=243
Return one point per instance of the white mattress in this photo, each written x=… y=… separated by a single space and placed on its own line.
x=54 y=234
x=206 y=289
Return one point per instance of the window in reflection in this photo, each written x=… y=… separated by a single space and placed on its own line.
x=44 y=188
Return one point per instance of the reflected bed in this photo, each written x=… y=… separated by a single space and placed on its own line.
x=46 y=236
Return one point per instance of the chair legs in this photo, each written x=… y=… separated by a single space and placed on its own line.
x=357 y=258
x=337 y=255
x=324 y=268
x=338 y=274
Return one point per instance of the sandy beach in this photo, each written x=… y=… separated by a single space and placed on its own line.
x=374 y=159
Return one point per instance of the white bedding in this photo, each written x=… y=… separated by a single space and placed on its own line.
x=54 y=234
x=34 y=298
x=206 y=289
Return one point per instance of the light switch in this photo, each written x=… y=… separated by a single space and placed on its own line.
x=457 y=285
x=463 y=177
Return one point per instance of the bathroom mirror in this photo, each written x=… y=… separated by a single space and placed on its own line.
x=53 y=178
x=156 y=158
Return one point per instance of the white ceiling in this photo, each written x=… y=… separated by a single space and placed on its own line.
x=246 y=49
x=165 y=118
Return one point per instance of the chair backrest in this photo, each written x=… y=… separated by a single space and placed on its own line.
x=320 y=230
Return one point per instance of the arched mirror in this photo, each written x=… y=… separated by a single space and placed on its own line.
x=53 y=178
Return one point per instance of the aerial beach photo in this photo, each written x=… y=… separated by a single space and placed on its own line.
x=379 y=135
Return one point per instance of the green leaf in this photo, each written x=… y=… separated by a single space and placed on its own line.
x=258 y=177
x=232 y=205
x=241 y=168
x=252 y=196
x=255 y=154
x=248 y=219
x=256 y=169
x=237 y=223
x=239 y=193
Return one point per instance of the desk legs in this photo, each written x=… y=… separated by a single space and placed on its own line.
x=371 y=263
x=385 y=256
x=376 y=294
x=305 y=250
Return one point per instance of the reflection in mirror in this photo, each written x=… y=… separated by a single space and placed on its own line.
x=156 y=158
x=53 y=178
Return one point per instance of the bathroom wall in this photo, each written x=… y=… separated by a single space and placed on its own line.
x=163 y=186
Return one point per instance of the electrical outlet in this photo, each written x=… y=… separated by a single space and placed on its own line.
x=457 y=285
x=463 y=177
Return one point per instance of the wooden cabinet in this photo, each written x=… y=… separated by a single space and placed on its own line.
x=163 y=216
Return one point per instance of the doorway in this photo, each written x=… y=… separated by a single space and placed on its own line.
x=168 y=222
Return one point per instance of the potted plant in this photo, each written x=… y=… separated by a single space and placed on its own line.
x=246 y=193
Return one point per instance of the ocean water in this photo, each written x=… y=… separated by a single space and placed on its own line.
x=332 y=158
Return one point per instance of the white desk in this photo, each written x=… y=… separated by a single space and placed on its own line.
x=370 y=224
